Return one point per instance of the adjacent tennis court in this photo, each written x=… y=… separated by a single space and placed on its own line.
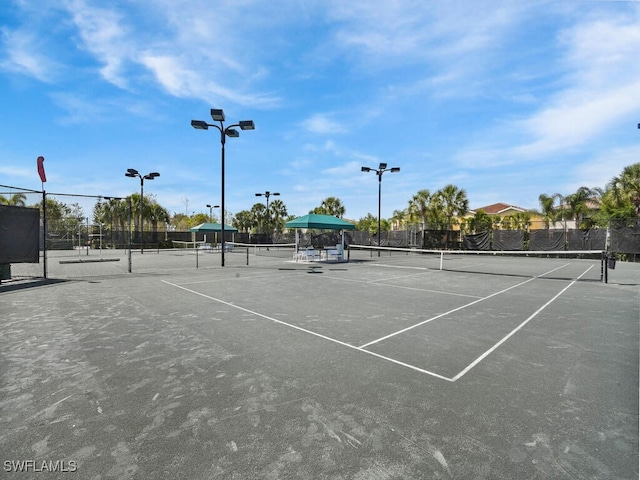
x=390 y=366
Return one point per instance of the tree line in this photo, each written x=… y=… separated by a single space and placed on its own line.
x=442 y=209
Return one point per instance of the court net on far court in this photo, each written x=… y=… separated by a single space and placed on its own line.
x=571 y=265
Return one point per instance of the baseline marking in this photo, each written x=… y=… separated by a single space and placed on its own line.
x=392 y=360
x=344 y=344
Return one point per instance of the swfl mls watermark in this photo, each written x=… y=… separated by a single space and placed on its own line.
x=40 y=466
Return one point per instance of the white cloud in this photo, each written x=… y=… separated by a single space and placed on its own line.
x=105 y=35
x=599 y=170
x=322 y=124
x=598 y=90
x=24 y=55
x=577 y=117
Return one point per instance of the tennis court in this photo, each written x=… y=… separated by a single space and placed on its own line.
x=384 y=367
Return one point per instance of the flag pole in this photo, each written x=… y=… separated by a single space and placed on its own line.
x=43 y=179
x=44 y=230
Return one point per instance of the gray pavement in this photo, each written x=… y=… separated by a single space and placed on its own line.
x=280 y=370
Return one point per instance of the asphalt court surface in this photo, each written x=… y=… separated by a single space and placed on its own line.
x=377 y=369
x=433 y=322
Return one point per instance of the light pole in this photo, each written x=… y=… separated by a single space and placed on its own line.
x=217 y=114
x=132 y=172
x=267 y=194
x=211 y=207
x=379 y=171
x=129 y=229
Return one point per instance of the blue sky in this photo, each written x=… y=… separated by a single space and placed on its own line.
x=505 y=99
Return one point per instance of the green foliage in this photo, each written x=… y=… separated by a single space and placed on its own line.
x=17 y=199
x=330 y=206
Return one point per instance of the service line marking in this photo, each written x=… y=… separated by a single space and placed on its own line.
x=295 y=327
x=461 y=307
x=513 y=332
x=444 y=314
x=362 y=348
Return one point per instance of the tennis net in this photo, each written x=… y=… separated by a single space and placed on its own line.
x=278 y=250
x=570 y=265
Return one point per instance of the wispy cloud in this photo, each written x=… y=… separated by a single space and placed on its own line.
x=24 y=54
x=597 y=90
x=104 y=34
x=322 y=124
x=603 y=85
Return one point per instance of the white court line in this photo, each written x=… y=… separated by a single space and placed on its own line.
x=397 y=362
x=344 y=344
x=513 y=332
x=391 y=285
x=445 y=314
x=460 y=308
x=257 y=276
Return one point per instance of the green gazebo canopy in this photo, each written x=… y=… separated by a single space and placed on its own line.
x=212 y=227
x=320 y=222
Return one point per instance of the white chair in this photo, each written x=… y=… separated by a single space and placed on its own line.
x=335 y=253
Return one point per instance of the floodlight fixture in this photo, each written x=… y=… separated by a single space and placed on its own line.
x=246 y=125
x=132 y=173
x=268 y=194
x=217 y=114
x=199 y=124
x=379 y=171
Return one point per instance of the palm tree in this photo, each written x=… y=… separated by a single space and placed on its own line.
x=259 y=216
x=481 y=222
x=583 y=202
x=517 y=221
x=331 y=206
x=157 y=214
x=419 y=206
x=135 y=215
x=17 y=200
x=399 y=219
x=243 y=221
x=278 y=211
x=453 y=202
x=549 y=209
x=625 y=188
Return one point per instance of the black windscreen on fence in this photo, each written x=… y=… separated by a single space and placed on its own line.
x=625 y=236
x=477 y=241
x=508 y=240
x=19 y=234
x=592 y=239
x=551 y=239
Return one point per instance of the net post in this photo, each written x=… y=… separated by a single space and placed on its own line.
x=247 y=256
x=441 y=260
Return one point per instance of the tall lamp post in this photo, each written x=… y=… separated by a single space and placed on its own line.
x=379 y=171
x=211 y=207
x=132 y=172
x=129 y=229
x=267 y=194
x=217 y=114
